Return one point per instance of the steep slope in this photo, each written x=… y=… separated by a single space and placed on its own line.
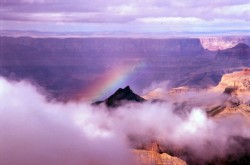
x=241 y=52
x=225 y=61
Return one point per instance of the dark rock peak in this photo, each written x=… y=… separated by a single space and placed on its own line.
x=125 y=90
x=121 y=95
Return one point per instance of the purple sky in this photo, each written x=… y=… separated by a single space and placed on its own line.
x=125 y=15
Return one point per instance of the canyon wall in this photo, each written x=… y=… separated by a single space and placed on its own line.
x=221 y=43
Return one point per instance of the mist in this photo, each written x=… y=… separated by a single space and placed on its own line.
x=34 y=131
x=37 y=131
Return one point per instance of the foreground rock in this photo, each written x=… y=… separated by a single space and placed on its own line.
x=144 y=157
x=236 y=86
x=239 y=80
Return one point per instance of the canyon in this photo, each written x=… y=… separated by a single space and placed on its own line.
x=229 y=99
x=211 y=74
x=65 y=66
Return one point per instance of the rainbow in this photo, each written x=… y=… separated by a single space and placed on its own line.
x=110 y=81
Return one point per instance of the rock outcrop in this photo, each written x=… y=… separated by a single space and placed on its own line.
x=239 y=82
x=120 y=96
x=144 y=157
x=237 y=86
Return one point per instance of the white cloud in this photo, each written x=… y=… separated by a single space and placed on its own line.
x=127 y=9
x=237 y=11
x=171 y=20
x=39 y=1
x=35 y=131
x=191 y=12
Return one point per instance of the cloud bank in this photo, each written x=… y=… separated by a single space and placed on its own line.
x=37 y=131
x=121 y=15
x=34 y=131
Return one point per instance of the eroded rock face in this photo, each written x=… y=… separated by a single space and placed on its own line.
x=237 y=86
x=221 y=43
x=239 y=81
x=144 y=157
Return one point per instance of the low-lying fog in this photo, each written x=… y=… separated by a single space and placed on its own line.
x=35 y=131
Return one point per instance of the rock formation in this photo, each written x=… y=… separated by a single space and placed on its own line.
x=120 y=96
x=238 y=82
x=237 y=86
x=221 y=43
x=144 y=157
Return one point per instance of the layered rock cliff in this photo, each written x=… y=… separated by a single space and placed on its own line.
x=221 y=43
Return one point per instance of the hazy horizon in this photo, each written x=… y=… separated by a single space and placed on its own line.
x=122 y=34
